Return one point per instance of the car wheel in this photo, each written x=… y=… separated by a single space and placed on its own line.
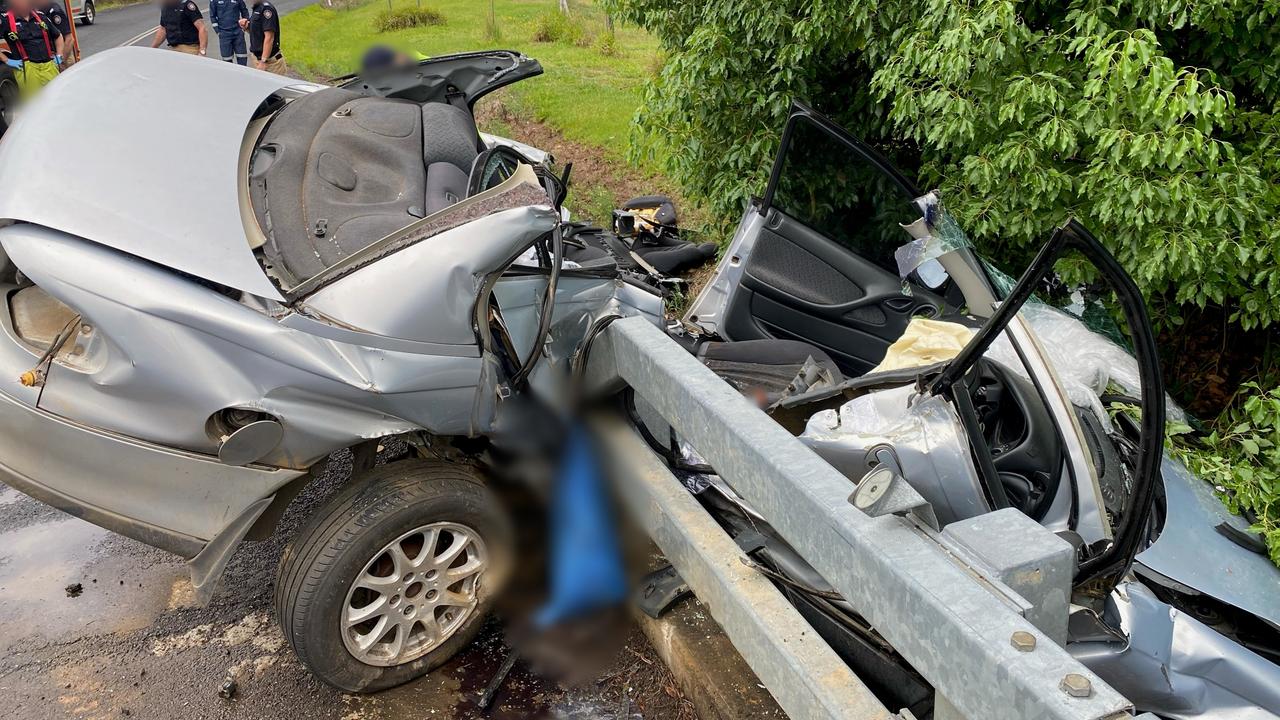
x=90 y=13
x=394 y=575
x=8 y=102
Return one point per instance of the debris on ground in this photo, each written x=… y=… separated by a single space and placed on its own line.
x=74 y=590
x=228 y=689
x=486 y=698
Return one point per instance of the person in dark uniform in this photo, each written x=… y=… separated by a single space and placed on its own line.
x=264 y=38
x=56 y=13
x=182 y=26
x=33 y=48
x=226 y=16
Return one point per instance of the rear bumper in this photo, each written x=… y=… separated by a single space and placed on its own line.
x=170 y=499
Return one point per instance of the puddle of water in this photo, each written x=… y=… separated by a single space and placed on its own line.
x=38 y=562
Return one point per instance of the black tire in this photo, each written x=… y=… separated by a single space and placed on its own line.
x=89 y=14
x=342 y=537
x=8 y=100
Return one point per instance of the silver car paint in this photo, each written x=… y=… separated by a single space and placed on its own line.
x=177 y=352
x=427 y=292
x=168 y=498
x=1236 y=576
x=144 y=180
x=580 y=301
x=1171 y=664
x=171 y=352
x=708 y=308
x=1209 y=675
x=387 y=346
x=926 y=435
x=534 y=154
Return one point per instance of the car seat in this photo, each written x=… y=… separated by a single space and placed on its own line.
x=765 y=369
x=336 y=171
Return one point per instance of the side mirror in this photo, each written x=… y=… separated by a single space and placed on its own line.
x=884 y=491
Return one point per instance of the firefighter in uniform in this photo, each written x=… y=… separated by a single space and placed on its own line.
x=182 y=26
x=226 y=16
x=56 y=13
x=33 y=48
x=264 y=38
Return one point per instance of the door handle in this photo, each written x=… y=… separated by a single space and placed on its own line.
x=899 y=304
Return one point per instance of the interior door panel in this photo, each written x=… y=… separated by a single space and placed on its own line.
x=799 y=285
x=821 y=268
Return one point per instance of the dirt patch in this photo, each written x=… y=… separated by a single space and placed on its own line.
x=595 y=169
x=600 y=182
x=638 y=684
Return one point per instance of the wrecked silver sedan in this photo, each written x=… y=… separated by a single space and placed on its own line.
x=186 y=344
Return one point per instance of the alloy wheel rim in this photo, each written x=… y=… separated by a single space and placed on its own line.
x=414 y=594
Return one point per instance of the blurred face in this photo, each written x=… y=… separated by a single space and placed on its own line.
x=20 y=7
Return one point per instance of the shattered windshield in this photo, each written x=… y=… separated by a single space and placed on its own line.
x=1082 y=335
x=1076 y=319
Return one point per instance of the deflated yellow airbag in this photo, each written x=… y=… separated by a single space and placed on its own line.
x=925 y=342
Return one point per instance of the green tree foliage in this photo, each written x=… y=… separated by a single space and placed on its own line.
x=1153 y=121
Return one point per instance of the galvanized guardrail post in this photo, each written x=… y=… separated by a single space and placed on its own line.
x=934 y=597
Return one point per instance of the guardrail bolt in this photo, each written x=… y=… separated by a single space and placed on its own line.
x=1076 y=685
x=1023 y=641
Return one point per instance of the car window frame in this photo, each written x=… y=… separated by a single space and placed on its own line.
x=1112 y=562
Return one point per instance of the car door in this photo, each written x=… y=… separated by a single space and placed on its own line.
x=821 y=266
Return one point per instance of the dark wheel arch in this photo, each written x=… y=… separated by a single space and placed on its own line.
x=8 y=98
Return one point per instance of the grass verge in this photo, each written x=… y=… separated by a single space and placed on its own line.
x=593 y=79
x=105 y=4
x=405 y=18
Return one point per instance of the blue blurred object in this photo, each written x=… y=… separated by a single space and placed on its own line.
x=378 y=57
x=586 y=560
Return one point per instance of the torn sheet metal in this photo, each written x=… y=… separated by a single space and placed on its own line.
x=1176 y=666
x=580 y=302
x=925 y=433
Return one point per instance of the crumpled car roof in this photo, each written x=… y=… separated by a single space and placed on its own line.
x=138 y=150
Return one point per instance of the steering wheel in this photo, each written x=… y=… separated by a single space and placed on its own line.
x=1025 y=447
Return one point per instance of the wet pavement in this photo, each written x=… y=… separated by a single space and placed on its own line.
x=133 y=644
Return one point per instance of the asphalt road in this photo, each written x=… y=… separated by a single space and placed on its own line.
x=100 y=627
x=117 y=26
